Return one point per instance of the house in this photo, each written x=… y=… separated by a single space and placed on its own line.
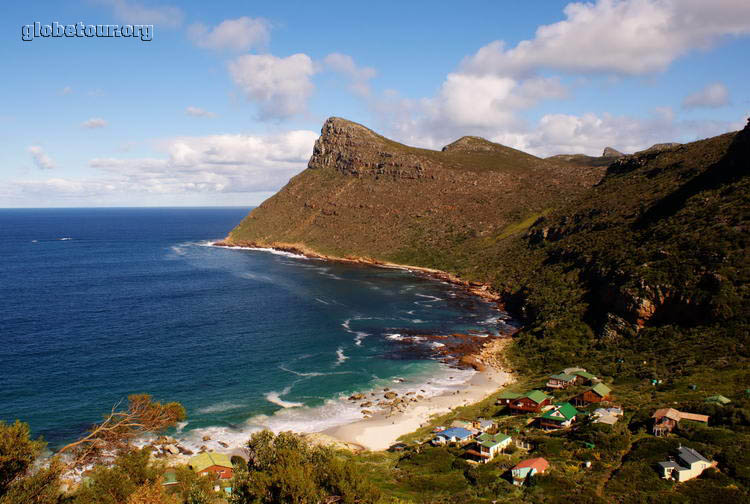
x=453 y=435
x=608 y=416
x=561 y=381
x=666 y=419
x=560 y=416
x=689 y=464
x=483 y=425
x=585 y=377
x=718 y=399
x=533 y=402
x=507 y=397
x=596 y=394
x=217 y=464
x=489 y=445
x=527 y=468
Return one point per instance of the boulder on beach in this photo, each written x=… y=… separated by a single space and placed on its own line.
x=390 y=395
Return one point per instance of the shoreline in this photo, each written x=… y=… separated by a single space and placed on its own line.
x=406 y=412
x=382 y=430
x=479 y=289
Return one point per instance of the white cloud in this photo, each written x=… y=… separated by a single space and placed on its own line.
x=198 y=112
x=359 y=77
x=280 y=87
x=239 y=34
x=216 y=164
x=590 y=133
x=41 y=160
x=137 y=13
x=491 y=90
x=615 y=36
x=712 y=96
x=94 y=123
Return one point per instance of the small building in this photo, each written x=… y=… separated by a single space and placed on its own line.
x=533 y=402
x=453 y=435
x=217 y=464
x=666 y=419
x=489 y=445
x=585 y=377
x=527 y=468
x=483 y=425
x=609 y=416
x=507 y=397
x=559 y=417
x=688 y=464
x=561 y=381
x=596 y=394
x=718 y=399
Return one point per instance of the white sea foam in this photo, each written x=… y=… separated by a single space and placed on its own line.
x=340 y=356
x=394 y=337
x=221 y=406
x=258 y=249
x=427 y=296
x=333 y=412
x=66 y=238
x=312 y=373
x=322 y=301
x=275 y=397
x=358 y=335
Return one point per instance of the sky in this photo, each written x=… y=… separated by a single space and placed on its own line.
x=224 y=102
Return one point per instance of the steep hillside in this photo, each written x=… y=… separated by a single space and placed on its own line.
x=366 y=196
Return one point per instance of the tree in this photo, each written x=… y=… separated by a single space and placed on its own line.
x=151 y=493
x=143 y=415
x=18 y=484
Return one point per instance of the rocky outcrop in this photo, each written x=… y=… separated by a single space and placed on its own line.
x=609 y=152
x=352 y=149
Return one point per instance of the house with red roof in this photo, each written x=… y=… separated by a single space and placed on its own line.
x=527 y=468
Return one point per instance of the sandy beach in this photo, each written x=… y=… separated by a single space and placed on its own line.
x=382 y=430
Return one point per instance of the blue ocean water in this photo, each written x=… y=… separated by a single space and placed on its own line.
x=96 y=304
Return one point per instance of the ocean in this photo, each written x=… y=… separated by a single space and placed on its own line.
x=96 y=304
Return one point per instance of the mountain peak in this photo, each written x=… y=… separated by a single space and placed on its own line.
x=473 y=144
x=610 y=152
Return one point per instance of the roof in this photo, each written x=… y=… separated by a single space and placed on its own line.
x=673 y=414
x=584 y=374
x=694 y=416
x=607 y=419
x=562 y=377
x=718 y=399
x=205 y=460
x=670 y=413
x=507 y=394
x=537 y=396
x=669 y=464
x=561 y=412
x=490 y=440
x=601 y=390
x=485 y=423
x=457 y=432
x=690 y=456
x=539 y=463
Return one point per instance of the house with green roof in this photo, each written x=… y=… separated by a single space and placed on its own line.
x=585 y=377
x=718 y=399
x=531 y=402
x=506 y=397
x=560 y=416
x=489 y=445
x=217 y=464
x=596 y=394
x=561 y=381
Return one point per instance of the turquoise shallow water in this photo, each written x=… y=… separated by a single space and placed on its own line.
x=100 y=303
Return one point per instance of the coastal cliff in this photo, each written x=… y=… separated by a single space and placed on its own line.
x=586 y=251
x=365 y=196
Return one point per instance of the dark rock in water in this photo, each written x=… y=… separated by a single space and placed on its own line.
x=610 y=152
